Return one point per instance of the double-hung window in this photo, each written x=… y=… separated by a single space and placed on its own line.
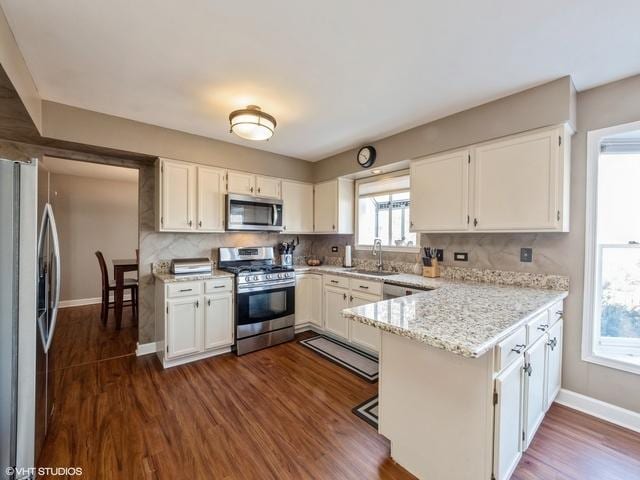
x=611 y=330
x=383 y=209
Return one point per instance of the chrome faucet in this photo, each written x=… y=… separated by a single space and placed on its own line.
x=378 y=243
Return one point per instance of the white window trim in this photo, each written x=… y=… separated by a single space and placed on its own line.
x=389 y=248
x=590 y=318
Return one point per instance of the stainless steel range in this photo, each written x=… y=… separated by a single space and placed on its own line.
x=265 y=297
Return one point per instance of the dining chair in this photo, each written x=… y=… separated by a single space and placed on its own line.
x=108 y=287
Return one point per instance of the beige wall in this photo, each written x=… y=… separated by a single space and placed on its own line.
x=92 y=214
x=14 y=65
x=549 y=104
x=63 y=122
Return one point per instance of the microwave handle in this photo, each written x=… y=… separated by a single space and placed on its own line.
x=275 y=214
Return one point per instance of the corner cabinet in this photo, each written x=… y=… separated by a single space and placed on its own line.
x=333 y=206
x=297 y=200
x=189 y=198
x=309 y=300
x=516 y=184
x=194 y=320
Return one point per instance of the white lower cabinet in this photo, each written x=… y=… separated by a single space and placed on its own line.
x=218 y=320
x=534 y=385
x=342 y=292
x=335 y=300
x=184 y=322
x=193 y=319
x=525 y=386
x=360 y=334
x=554 y=362
x=507 y=420
x=309 y=299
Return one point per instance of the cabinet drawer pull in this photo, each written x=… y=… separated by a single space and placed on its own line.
x=518 y=348
x=365 y=287
x=335 y=281
x=186 y=290
x=218 y=286
x=543 y=327
x=560 y=314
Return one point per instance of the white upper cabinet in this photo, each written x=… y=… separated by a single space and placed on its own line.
x=268 y=187
x=439 y=193
x=176 y=195
x=210 y=203
x=519 y=183
x=241 y=182
x=333 y=206
x=297 y=199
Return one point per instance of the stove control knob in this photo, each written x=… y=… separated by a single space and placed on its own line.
x=269 y=276
x=279 y=275
x=255 y=278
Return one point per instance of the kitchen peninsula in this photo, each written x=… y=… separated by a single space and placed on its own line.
x=467 y=372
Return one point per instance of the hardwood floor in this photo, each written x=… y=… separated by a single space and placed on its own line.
x=282 y=413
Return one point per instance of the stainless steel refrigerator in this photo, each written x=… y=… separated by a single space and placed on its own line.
x=29 y=299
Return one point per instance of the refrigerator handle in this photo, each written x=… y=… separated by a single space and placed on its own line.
x=48 y=217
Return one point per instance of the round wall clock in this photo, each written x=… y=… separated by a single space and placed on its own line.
x=366 y=156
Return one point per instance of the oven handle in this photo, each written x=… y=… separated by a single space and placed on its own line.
x=266 y=288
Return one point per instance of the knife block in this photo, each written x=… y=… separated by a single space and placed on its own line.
x=433 y=271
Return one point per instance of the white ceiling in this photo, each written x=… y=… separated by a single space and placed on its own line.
x=90 y=170
x=335 y=74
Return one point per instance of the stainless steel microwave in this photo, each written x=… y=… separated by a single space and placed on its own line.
x=245 y=212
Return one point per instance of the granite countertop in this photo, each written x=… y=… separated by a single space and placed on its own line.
x=171 y=278
x=404 y=279
x=464 y=318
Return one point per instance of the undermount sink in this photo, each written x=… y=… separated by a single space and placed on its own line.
x=375 y=272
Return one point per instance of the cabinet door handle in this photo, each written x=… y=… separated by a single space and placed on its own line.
x=197 y=303
x=208 y=302
x=351 y=298
x=186 y=289
x=518 y=348
x=475 y=222
x=553 y=343
x=333 y=227
x=543 y=327
x=251 y=189
x=528 y=369
x=344 y=296
x=200 y=223
x=259 y=189
x=284 y=227
x=190 y=223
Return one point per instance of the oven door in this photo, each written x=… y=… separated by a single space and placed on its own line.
x=264 y=310
x=251 y=213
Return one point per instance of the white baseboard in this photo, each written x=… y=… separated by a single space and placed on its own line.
x=304 y=327
x=145 y=348
x=597 y=408
x=88 y=301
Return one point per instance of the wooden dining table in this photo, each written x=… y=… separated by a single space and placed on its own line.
x=120 y=267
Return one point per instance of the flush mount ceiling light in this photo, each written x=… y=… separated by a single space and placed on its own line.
x=252 y=123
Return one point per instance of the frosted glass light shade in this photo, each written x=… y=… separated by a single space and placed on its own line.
x=252 y=123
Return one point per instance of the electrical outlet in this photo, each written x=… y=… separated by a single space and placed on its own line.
x=334 y=249
x=461 y=256
x=440 y=255
x=526 y=255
